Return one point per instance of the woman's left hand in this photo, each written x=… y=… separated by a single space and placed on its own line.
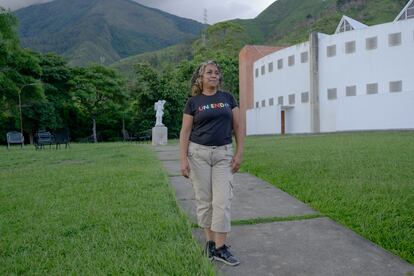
x=236 y=162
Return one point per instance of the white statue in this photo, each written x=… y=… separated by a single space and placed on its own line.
x=159 y=107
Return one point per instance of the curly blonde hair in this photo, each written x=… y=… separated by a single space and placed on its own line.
x=197 y=78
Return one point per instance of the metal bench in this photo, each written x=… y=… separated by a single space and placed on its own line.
x=128 y=137
x=145 y=136
x=43 y=138
x=61 y=136
x=15 y=137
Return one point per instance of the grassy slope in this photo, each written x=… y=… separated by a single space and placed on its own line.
x=362 y=180
x=92 y=209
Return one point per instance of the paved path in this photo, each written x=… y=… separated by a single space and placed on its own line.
x=316 y=246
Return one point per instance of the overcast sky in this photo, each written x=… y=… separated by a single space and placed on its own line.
x=217 y=10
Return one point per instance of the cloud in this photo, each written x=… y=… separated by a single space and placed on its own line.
x=17 y=4
x=217 y=10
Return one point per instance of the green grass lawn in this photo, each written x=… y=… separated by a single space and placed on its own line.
x=362 y=180
x=92 y=209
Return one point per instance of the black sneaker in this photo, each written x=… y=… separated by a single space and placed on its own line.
x=210 y=250
x=223 y=254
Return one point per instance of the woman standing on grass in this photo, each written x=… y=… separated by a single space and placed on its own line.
x=206 y=154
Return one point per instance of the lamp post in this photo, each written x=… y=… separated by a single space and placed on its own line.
x=20 y=105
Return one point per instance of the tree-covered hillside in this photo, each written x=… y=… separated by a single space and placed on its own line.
x=285 y=22
x=101 y=31
x=291 y=21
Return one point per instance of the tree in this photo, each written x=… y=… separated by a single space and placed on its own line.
x=171 y=85
x=97 y=91
x=18 y=67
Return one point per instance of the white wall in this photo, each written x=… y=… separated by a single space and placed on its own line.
x=263 y=121
x=384 y=110
x=281 y=82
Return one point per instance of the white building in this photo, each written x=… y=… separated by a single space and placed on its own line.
x=360 y=78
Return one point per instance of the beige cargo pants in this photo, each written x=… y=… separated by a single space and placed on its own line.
x=212 y=179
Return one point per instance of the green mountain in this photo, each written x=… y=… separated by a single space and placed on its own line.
x=101 y=31
x=291 y=21
x=158 y=59
x=285 y=22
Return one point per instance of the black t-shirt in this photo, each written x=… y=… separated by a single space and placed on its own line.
x=212 y=118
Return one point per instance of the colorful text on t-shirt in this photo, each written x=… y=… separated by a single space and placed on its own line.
x=213 y=106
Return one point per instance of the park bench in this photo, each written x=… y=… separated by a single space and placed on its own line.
x=43 y=138
x=128 y=137
x=145 y=136
x=14 y=137
x=61 y=136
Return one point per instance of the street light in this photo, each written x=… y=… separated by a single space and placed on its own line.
x=20 y=104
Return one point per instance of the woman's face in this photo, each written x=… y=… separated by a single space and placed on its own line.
x=211 y=76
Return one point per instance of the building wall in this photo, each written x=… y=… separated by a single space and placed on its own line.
x=255 y=118
x=247 y=56
x=382 y=65
x=379 y=66
x=281 y=82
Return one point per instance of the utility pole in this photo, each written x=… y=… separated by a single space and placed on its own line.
x=203 y=34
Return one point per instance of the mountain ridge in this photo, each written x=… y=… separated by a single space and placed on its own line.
x=86 y=30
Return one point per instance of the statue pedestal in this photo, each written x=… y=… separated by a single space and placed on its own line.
x=159 y=136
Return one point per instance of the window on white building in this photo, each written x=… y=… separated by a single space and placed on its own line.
x=371 y=43
x=350 y=47
x=395 y=86
x=408 y=12
x=305 y=97
x=270 y=67
x=271 y=102
x=257 y=104
x=304 y=57
x=331 y=51
x=350 y=91
x=394 y=39
x=279 y=63
x=256 y=72
x=280 y=100
x=291 y=60
x=345 y=26
x=292 y=99
x=263 y=103
x=263 y=69
x=372 y=88
x=332 y=94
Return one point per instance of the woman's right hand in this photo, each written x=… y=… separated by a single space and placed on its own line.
x=185 y=168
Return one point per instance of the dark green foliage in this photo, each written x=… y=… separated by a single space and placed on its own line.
x=53 y=95
x=18 y=68
x=84 y=31
x=98 y=94
x=171 y=85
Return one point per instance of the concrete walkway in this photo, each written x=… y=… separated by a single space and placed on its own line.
x=316 y=246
